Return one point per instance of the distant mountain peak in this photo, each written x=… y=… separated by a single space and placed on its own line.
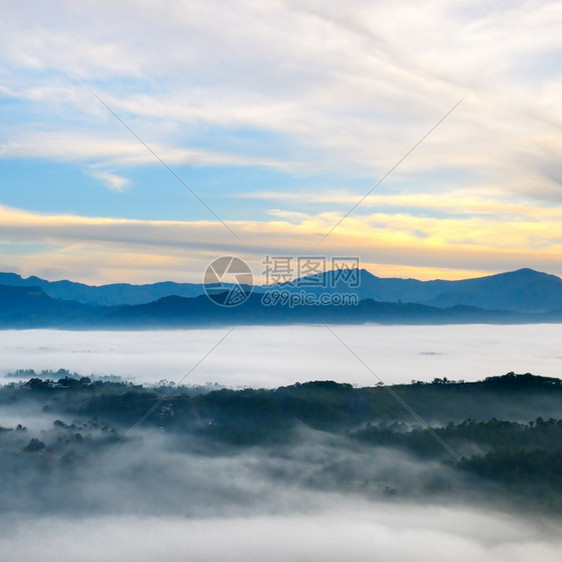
x=528 y=272
x=522 y=290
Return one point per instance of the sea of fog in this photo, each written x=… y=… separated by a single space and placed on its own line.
x=343 y=531
x=151 y=501
x=280 y=355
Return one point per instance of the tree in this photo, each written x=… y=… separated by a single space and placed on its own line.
x=34 y=446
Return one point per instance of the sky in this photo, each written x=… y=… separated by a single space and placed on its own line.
x=277 y=118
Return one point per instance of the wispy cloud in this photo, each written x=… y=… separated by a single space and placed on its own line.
x=105 y=249
x=107 y=150
x=454 y=202
x=337 y=83
x=283 y=91
x=112 y=181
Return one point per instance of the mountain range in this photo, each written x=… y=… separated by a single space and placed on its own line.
x=524 y=290
x=519 y=296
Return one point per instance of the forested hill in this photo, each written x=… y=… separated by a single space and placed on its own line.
x=500 y=438
x=324 y=405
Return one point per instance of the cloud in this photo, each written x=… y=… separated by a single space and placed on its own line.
x=286 y=90
x=458 y=202
x=339 y=85
x=117 y=151
x=112 y=181
x=111 y=249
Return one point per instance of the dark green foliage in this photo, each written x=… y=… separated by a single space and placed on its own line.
x=493 y=434
x=323 y=405
x=485 y=422
x=34 y=446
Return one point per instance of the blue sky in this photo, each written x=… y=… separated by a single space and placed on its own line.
x=280 y=115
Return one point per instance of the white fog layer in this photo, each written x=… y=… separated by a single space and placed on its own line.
x=72 y=490
x=149 y=501
x=343 y=532
x=276 y=356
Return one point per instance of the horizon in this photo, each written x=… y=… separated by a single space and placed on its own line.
x=201 y=282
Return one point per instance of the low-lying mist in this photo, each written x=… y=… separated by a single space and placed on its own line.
x=276 y=356
x=253 y=476
x=340 y=531
x=77 y=485
x=162 y=497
